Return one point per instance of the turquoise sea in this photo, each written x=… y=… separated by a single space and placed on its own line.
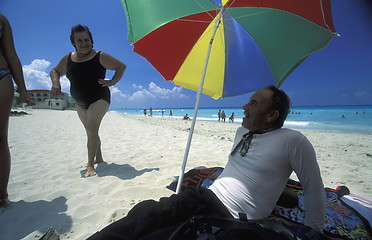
x=357 y=119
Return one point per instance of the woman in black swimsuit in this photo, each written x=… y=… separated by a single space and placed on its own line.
x=10 y=67
x=86 y=70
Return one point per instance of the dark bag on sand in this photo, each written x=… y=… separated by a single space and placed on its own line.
x=51 y=234
x=207 y=228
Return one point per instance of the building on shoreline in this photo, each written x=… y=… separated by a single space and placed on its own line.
x=43 y=100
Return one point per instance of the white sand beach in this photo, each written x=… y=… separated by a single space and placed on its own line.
x=142 y=156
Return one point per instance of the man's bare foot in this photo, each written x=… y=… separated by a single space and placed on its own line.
x=90 y=172
x=4 y=203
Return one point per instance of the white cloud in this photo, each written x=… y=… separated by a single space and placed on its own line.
x=153 y=92
x=37 y=76
x=362 y=94
x=117 y=92
x=135 y=86
x=164 y=93
x=141 y=96
x=39 y=65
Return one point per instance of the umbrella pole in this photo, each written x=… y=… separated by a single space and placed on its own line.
x=198 y=95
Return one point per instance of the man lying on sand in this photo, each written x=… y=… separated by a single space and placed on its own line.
x=262 y=158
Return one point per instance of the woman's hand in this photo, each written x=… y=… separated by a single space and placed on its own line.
x=106 y=83
x=56 y=90
x=26 y=98
x=114 y=64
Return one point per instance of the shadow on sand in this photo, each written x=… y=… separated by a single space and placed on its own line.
x=36 y=216
x=123 y=172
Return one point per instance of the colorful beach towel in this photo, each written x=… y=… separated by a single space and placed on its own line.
x=342 y=220
x=197 y=178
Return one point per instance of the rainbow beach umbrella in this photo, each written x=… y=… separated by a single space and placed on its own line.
x=226 y=48
x=256 y=43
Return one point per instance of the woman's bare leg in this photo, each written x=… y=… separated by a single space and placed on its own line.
x=99 y=157
x=6 y=98
x=91 y=119
x=82 y=113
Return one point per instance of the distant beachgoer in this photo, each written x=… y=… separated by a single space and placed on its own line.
x=223 y=116
x=231 y=118
x=150 y=112
x=219 y=115
x=170 y=113
x=186 y=117
x=86 y=70
x=144 y=112
x=10 y=67
x=162 y=112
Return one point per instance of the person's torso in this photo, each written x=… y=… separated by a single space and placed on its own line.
x=3 y=63
x=252 y=184
x=84 y=76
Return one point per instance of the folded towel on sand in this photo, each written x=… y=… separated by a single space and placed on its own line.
x=345 y=216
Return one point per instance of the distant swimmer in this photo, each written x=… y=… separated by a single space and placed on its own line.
x=186 y=117
x=231 y=118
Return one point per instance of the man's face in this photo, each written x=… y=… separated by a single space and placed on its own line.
x=257 y=110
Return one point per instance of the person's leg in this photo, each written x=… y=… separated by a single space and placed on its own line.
x=91 y=119
x=149 y=216
x=6 y=97
x=99 y=157
x=82 y=113
x=288 y=198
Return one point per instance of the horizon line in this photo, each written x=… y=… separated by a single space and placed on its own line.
x=364 y=105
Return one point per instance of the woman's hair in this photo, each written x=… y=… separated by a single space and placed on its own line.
x=79 y=28
x=281 y=102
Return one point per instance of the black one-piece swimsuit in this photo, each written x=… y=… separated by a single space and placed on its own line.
x=83 y=77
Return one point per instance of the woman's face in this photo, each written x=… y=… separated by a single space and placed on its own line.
x=83 y=43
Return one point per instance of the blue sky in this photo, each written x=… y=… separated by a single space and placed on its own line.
x=340 y=74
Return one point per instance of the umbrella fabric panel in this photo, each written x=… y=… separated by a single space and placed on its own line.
x=167 y=47
x=246 y=68
x=220 y=3
x=290 y=39
x=191 y=71
x=236 y=65
x=318 y=11
x=144 y=16
x=168 y=52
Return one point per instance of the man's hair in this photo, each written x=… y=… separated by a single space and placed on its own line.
x=79 y=28
x=281 y=102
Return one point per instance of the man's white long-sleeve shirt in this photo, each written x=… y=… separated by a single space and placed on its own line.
x=252 y=184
